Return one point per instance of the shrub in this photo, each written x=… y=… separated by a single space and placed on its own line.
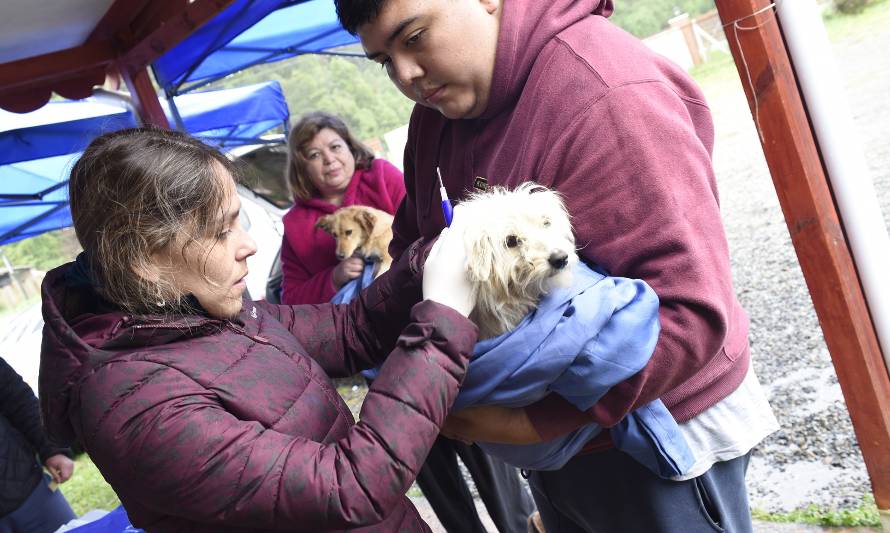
x=850 y=6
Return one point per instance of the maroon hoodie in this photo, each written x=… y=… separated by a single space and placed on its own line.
x=582 y=106
x=203 y=425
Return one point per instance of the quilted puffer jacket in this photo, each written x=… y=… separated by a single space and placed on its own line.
x=206 y=425
x=22 y=440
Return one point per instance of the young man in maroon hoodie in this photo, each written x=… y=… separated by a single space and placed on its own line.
x=516 y=90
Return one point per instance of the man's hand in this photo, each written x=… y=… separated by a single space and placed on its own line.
x=490 y=423
x=59 y=467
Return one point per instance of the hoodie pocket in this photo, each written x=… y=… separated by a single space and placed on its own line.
x=708 y=509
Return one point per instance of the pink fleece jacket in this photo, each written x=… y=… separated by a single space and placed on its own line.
x=582 y=106
x=307 y=253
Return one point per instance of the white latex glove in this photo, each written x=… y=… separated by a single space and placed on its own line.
x=445 y=271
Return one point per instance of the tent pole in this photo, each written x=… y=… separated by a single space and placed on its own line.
x=816 y=229
x=145 y=98
x=177 y=118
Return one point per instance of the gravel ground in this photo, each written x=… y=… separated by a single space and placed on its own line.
x=814 y=457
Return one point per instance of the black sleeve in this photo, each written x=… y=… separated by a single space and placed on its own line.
x=19 y=405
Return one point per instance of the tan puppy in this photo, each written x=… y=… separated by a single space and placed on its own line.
x=361 y=231
x=519 y=246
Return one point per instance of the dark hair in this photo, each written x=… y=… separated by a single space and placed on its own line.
x=354 y=13
x=135 y=192
x=302 y=134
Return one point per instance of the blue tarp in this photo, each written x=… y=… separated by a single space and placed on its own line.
x=247 y=33
x=43 y=204
x=37 y=149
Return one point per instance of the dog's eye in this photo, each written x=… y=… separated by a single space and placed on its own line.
x=348 y=232
x=513 y=241
x=546 y=222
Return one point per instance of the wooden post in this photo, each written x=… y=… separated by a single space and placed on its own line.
x=683 y=24
x=755 y=39
x=145 y=98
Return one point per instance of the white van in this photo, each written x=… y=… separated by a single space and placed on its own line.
x=265 y=199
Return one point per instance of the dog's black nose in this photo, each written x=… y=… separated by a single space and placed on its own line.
x=558 y=259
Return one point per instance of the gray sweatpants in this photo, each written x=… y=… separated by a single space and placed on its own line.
x=608 y=492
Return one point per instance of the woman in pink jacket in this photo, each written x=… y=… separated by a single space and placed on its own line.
x=328 y=169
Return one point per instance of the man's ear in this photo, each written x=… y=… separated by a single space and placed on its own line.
x=326 y=223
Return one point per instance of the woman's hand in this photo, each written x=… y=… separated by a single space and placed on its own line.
x=445 y=270
x=490 y=423
x=348 y=269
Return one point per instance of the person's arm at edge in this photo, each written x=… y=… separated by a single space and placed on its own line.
x=20 y=406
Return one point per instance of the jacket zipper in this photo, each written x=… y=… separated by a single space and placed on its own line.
x=256 y=338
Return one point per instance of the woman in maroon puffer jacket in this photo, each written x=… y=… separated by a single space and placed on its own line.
x=208 y=413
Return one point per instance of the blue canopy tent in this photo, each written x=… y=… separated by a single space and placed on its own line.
x=37 y=149
x=251 y=32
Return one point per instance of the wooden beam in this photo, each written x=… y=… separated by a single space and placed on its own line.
x=166 y=26
x=39 y=71
x=145 y=98
x=131 y=34
x=817 y=233
x=117 y=19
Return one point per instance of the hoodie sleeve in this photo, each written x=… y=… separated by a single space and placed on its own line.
x=299 y=286
x=168 y=443
x=404 y=225
x=650 y=182
x=347 y=338
x=19 y=405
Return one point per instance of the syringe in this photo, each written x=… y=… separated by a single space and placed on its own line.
x=447 y=210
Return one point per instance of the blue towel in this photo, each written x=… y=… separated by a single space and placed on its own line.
x=349 y=291
x=578 y=343
x=352 y=287
x=116 y=521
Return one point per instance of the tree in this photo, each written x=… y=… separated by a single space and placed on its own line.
x=648 y=17
x=353 y=88
x=45 y=251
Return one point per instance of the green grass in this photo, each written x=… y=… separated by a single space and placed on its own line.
x=871 y=21
x=866 y=515
x=87 y=488
x=11 y=311
x=719 y=65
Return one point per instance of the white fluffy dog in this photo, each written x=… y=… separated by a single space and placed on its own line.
x=520 y=245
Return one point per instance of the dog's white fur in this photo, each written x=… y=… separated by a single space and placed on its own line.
x=516 y=241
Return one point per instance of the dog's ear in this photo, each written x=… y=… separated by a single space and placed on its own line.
x=480 y=263
x=326 y=223
x=366 y=220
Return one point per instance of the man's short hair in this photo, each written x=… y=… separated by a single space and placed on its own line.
x=354 y=13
